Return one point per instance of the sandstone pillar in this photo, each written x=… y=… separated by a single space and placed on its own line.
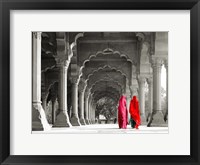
x=81 y=103
x=157 y=118
x=62 y=120
x=86 y=109
x=75 y=119
x=53 y=111
x=39 y=121
x=142 y=81
x=150 y=98
x=128 y=100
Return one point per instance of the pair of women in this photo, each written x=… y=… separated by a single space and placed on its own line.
x=133 y=110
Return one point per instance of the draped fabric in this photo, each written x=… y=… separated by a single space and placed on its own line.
x=135 y=112
x=122 y=113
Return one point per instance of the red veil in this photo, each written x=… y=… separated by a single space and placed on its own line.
x=134 y=111
x=122 y=113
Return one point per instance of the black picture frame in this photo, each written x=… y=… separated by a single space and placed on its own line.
x=7 y=5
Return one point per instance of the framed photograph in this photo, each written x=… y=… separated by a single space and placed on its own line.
x=99 y=82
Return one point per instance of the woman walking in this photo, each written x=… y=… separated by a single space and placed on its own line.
x=135 y=113
x=122 y=113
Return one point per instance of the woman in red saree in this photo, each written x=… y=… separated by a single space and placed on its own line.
x=135 y=113
x=122 y=113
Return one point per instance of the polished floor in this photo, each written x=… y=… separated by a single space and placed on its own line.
x=105 y=129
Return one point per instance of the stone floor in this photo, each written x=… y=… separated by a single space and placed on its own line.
x=104 y=129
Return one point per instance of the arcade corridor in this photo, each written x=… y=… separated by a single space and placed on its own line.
x=78 y=78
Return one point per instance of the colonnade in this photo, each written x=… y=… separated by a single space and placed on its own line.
x=155 y=116
x=83 y=99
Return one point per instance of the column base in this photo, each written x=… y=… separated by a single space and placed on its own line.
x=157 y=120
x=62 y=120
x=143 y=119
x=82 y=121
x=75 y=121
x=39 y=121
x=87 y=121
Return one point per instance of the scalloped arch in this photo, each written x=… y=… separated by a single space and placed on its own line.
x=48 y=68
x=102 y=68
x=104 y=53
x=101 y=94
x=103 y=81
x=49 y=85
x=110 y=91
x=99 y=88
x=112 y=94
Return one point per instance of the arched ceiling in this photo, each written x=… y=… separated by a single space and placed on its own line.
x=96 y=96
x=108 y=75
x=100 y=85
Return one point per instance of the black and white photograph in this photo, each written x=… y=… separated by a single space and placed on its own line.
x=100 y=82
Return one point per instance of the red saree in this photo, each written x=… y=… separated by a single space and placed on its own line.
x=122 y=113
x=134 y=111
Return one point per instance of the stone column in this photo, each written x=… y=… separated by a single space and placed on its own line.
x=62 y=119
x=86 y=108
x=142 y=81
x=75 y=119
x=150 y=98
x=89 y=110
x=39 y=121
x=157 y=118
x=53 y=99
x=81 y=103
x=166 y=114
x=89 y=105
x=53 y=111
x=128 y=106
x=93 y=113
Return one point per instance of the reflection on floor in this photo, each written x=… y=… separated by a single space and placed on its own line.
x=105 y=129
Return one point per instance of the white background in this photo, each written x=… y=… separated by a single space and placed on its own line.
x=177 y=142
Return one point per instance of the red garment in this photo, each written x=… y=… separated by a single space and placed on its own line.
x=134 y=111
x=122 y=113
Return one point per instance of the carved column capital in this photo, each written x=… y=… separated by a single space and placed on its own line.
x=140 y=36
x=62 y=61
x=156 y=62
x=62 y=56
x=141 y=80
x=37 y=35
x=74 y=80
